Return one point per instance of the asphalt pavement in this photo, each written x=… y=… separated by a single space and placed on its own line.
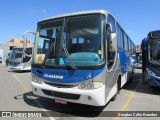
x=136 y=101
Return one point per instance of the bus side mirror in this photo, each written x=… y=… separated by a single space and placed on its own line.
x=25 y=42
x=113 y=41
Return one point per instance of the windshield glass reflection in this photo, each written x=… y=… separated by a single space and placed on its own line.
x=154 y=51
x=75 y=41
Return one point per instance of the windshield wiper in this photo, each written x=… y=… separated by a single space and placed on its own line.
x=65 y=49
x=48 y=53
x=67 y=54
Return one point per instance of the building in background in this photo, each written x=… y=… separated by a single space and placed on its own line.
x=7 y=47
x=16 y=42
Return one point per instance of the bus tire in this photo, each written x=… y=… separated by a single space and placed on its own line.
x=119 y=84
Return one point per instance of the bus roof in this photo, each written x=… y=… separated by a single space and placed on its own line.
x=77 y=13
x=104 y=12
x=154 y=34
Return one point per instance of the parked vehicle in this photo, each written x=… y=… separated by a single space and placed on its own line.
x=18 y=60
x=151 y=59
x=85 y=58
x=139 y=64
x=134 y=60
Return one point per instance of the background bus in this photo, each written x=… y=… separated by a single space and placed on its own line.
x=139 y=63
x=7 y=58
x=151 y=59
x=134 y=60
x=85 y=58
x=18 y=60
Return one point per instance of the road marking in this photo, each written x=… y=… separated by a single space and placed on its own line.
x=21 y=83
x=125 y=105
x=27 y=90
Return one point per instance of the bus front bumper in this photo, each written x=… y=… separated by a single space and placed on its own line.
x=19 y=67
x=94 y=97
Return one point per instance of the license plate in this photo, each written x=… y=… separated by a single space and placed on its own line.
x=60 y=101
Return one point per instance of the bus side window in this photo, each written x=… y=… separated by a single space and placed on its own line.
x=110 y=50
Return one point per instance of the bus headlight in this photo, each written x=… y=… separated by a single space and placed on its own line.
x=83 y=85
x=97 y=84
x=90 y=85
x=37 y=80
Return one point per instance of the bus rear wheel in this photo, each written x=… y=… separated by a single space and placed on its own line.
x=118 y=87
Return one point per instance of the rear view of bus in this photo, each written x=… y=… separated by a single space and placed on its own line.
x=151 y=59
x=18 y=60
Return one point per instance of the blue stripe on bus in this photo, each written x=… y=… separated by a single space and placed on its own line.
x=124 y=60
x=14 y=64
x=153 y=81
x=66 y=76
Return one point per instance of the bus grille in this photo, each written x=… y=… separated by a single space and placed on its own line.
x=61 y=95
x=60 y=85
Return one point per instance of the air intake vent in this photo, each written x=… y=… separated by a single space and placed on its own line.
x=61 y=95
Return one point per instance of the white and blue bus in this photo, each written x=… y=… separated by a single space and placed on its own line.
x=151 y=59
x=85 y=58
x=18 y=60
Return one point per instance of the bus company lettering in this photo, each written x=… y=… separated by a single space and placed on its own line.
x=53 y=76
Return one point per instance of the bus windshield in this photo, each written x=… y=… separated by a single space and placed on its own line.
x=16 y=55
x=154 y=51
x=71 y=41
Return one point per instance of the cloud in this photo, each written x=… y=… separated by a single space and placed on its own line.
x=44 y=11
